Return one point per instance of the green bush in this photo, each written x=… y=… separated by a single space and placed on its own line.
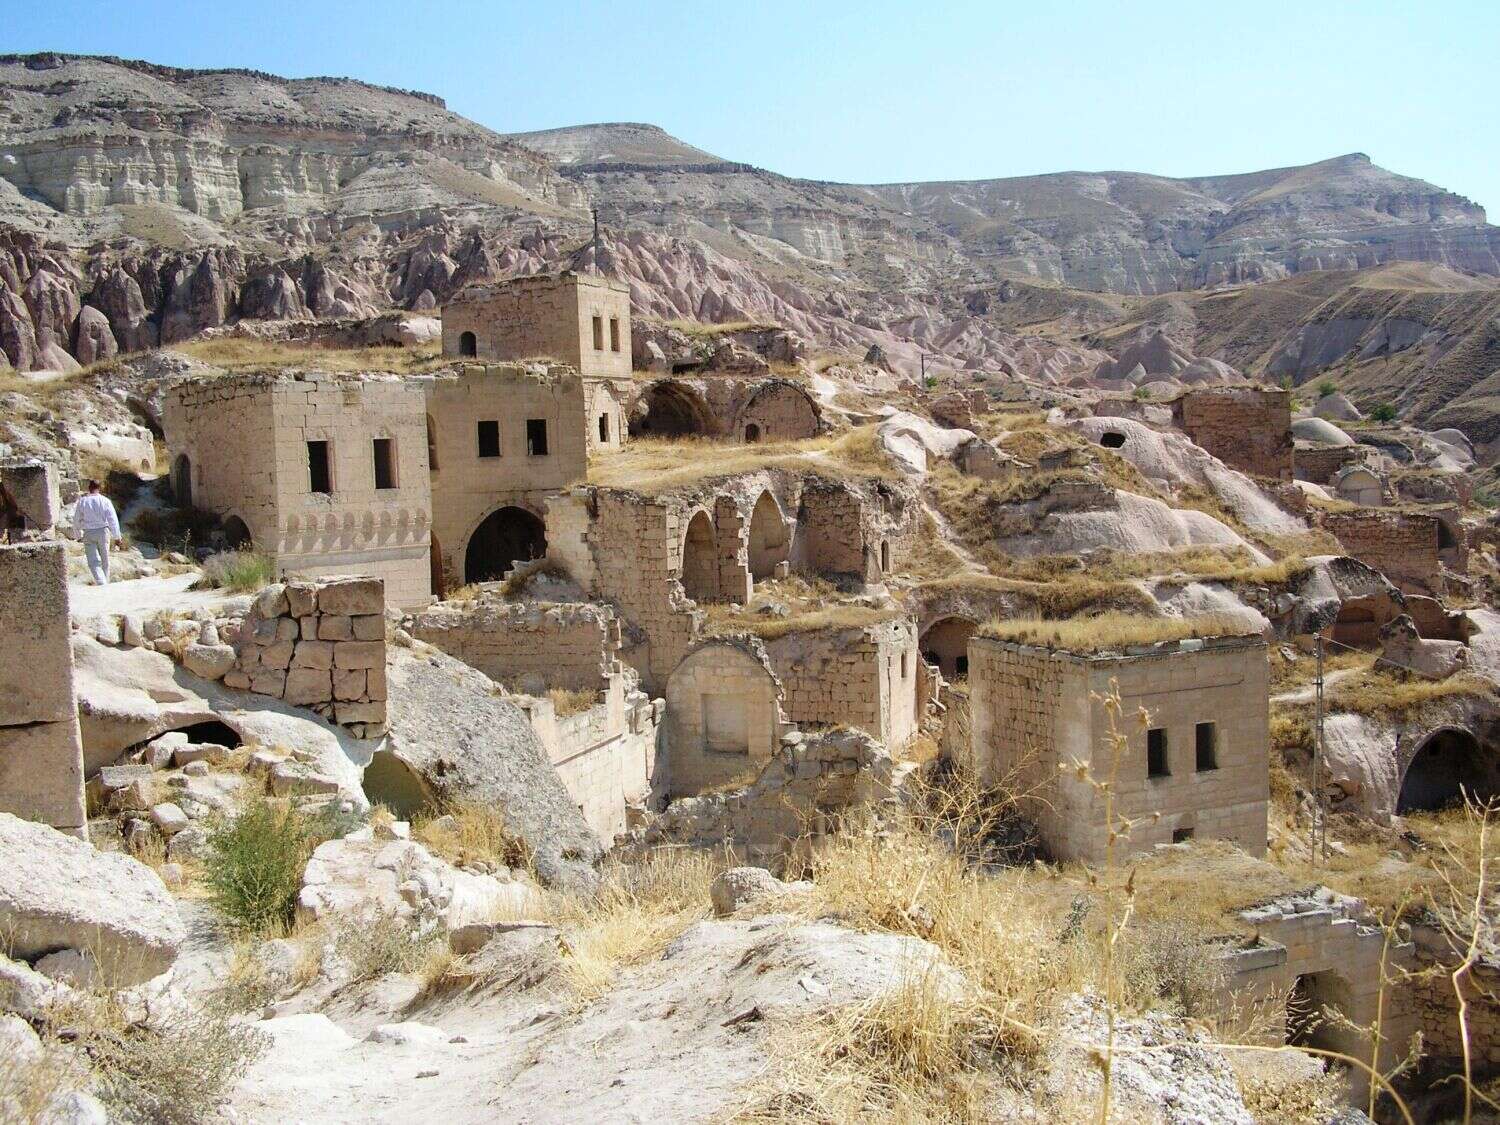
x=244 y=572
x=1384 y=412
x=1327 y=387
x=254 y=865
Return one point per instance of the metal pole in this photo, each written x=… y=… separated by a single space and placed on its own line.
x=924 y=369
x=1319 y=829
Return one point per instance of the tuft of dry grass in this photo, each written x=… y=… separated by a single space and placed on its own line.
x=567 y=702
x=1382 y=691
x=1110 y=631
x=705 y=330
x=736 y=619
x=246 y=354
x=465 y=832
x=657 y=465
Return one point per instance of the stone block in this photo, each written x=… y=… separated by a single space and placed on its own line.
x=301 y=599
x=369 y=627
x=333 y=627
x=307 y=685
x=357 y=712
x=269 y=682
x=277 y=656
x=359 y=654
x=313 y=654
x=270 y=602
x=33 y=486
x=41 y=773
x=36 y=654
x=349 y=684
x=348 y=597
x=375 y=686
x=286 y=629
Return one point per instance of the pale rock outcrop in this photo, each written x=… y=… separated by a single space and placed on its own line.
x=742 y=887
x=912 y=441
x=1205 y=599
x=27 y=993
x=1132 y=523
x=17 y=334
x=59 y=893
x=1319 y=430
x=1403 y=646
x=95 y=340
x=1337 y=408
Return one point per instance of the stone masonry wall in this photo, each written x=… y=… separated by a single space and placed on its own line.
x=723 y=715
x=1248 y=428
x=545 y=317
x=319 y=645
x=1430 y=994
x=528 y=646
x=33 y=486
x=1401 y=545
x=41 y=753
x=1319 y=463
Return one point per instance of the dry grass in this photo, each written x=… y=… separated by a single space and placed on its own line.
x=245 y=354
x=703 y=330
x=737 y=619
x=1110 y=631
x=640 y=908
x=466 y=832
x=653 y=466
x=567 y=701
x=1054 y=599
x=1204 y=886
x=1392 y=694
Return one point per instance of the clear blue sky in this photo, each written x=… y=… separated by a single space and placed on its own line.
x=881 y=91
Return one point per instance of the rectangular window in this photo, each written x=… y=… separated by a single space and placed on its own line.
x=489 y=439
x=614 y=333
x=604 y=428
x=319 y=468
x=1207 y=739
x=1181 y=835
x=598 y=333
x=536 y=437
x=1156 y=753
x=725 y=729
x=385 y=462
x=904 y=672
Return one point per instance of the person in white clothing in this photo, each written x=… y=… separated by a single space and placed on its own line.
x=99 y=524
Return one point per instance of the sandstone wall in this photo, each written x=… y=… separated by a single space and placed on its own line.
x=778 y=410
x=1319 y=463
x=319 y=645
x=41 y=754
x=578 y=319
x=530 y=647
x=1403 y=546
x=1435 y=1007
x=33 y=485
x=724 y=719
x=1247 y=428
x=1035 y=712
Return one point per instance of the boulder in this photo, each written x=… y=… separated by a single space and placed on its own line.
x=211 y=662
x=740 y=887
x=95 y=340
x=1319 y=430
x=1337 y=408
x=27 y=993
x=913 y=440
x=58 y=893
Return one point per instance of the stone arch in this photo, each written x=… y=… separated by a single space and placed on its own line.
x=668 y=408
x=237 y=534
x=506 y=536
x=723 y=714
x=770 y=537
x=468 y=344
x=945 y=643
x=181 y=480
x=1448 y=763
x=1318 y=1011
x=779 y=410
x=700 y=559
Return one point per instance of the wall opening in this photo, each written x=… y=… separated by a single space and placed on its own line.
x=1315 y=1011
x=468 y=344
x=770 y=539
x=319 y=468
x=237 y=534
x=435 y=566
x=536 y=437
x=604 y=428
x=1156 y=753
x=614 y=333
x=507 y=536
x=487 y=433
x=432 y=457
x=1206 y=747
x=182 y=481
x=1181 y=835
x=752 y=432
x=670 y=410
x=391 y=782
x=946 y=645
x=1446 y=766
x=1446 y=541
x=598 y=333
x=885 y=557
x=384 y=451
x=700 y=560
x=211 y=733
x=1112 y=439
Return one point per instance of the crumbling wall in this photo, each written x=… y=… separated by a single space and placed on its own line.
x=1319 y=463
x=41 y=753
x=1401 y=545
x=723 y=715
x=579 y=319
x=831 y=530
x=1248 y=428
x=319 y=645
x=33 y=486
x=1429 y=992
x=530 y=647
x=777 y=410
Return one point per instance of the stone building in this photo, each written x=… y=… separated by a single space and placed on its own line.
x=724 y=718
x=735 y=408
x=500 y=440
x=577 y=319
x=41 y=753
x=1248 y=428
x=1199 y=770
x=1409 y=548
x=324 y=475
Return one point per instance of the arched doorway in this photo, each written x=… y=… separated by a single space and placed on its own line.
x=182 y=481
x=435 y=565
x=769 y=541
x=507 y=536
x=946 y=644
x=670 y=410
x=700 y=560
x=237 y=534
x=468 y=344
x=1318 y=1011
x=1447 y=765
x=752 y=433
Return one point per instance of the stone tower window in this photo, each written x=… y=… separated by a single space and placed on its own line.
x=468 y=344
x=1156 y=753
x=536 y=437
x=319 y=468
x=598 y=333
x=1206 y=737
x=614 y=333
x=604 y=427
x=384 y=449
x=489 y=438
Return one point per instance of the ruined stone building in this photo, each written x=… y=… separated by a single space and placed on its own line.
x=577 y=319
x=324 y=475
x=1199 y=771
x=1248 y=428
x=758 y=408
x=1410 y=548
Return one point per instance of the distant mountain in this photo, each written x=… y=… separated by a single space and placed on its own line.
x=621 y=142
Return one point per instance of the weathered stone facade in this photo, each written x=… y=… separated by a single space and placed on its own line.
x=1248 y=428
x=724 y=718
x=325 y=475
x=321 y=645
x=864 y=678
x=577 y=319
x=33 y=487
x=41 y=753
x=529 y=647
x=1429 y=992
x=1318 y=463
x=721 y=405
x=1401 y=545
x=1200 y=771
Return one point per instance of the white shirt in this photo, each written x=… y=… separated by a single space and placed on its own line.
x=95 y=511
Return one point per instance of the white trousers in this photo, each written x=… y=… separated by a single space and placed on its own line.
x=96 y=551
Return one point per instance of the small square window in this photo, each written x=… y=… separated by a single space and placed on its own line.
x=614 y=333
x=1206 y=738
x=961 y=666
x=598 y=333
x=385 y=462
x=489 y=439
x=904 y=670
x=1156 y=753
x=536 y=437
x=1181 y=835
x=319 y=468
